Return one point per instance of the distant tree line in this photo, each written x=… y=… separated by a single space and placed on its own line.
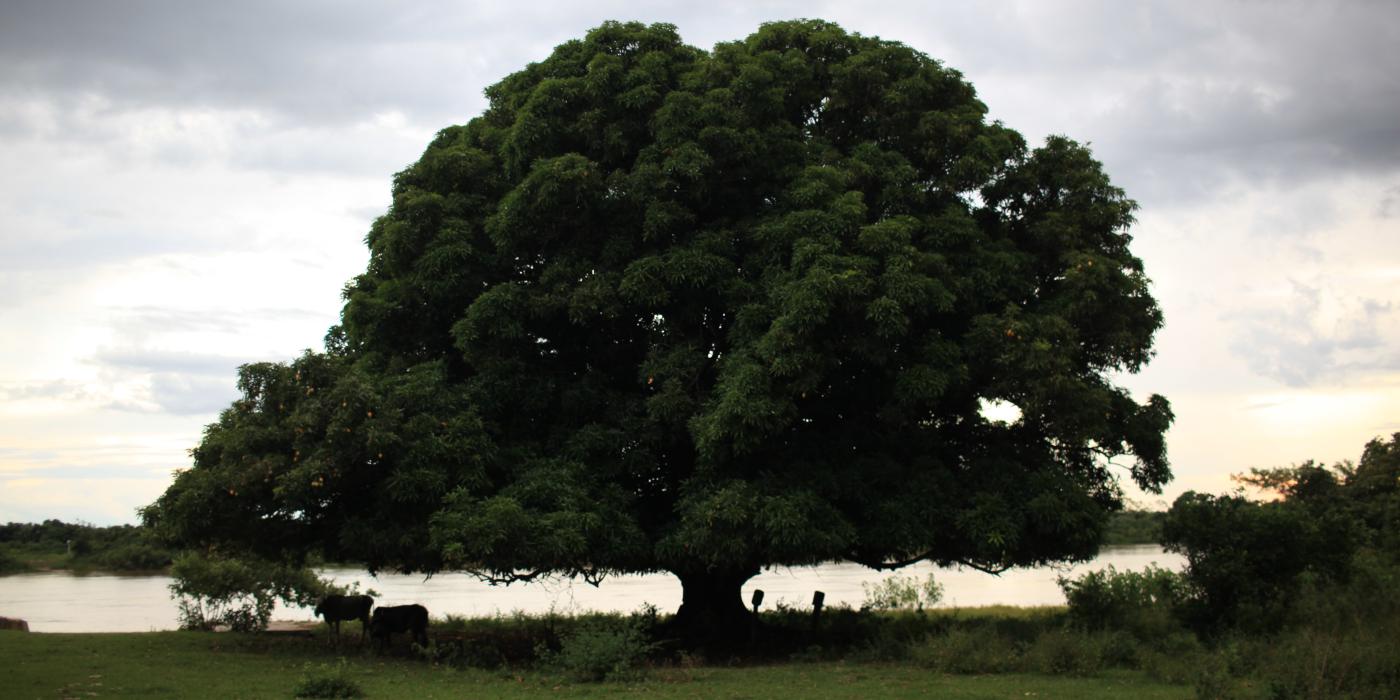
x=54 y=544
x=1134 y=527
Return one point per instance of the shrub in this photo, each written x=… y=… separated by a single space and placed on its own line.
x=1121 y=649
x=903 y=593
x=10 y=564
x=601 y=649
x=1142 y=603
x=1065 y=652
x=239 y=593
x=1175 y=658
x=979 y=649
x=1211 y=681
x=1341 y=642
x=890 y=639
x=326 y=681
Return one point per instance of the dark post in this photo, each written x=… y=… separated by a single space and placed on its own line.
x=753 y=623
x=817 y=599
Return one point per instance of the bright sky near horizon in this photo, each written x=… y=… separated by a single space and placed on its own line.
x=187 y=187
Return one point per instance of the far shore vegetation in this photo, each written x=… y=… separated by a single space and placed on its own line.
x=81 y=548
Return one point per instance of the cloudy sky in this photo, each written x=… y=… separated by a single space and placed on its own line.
x=186 y=187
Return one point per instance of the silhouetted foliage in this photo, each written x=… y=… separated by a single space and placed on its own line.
x=1248 y=560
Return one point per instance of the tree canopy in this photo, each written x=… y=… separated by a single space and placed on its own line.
x=660 y=308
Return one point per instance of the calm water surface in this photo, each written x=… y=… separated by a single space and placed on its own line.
x=60 y=602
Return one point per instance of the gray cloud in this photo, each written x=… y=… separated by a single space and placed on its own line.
x=60 y=389
x=139 y=322
x=164 y=361
x=1178 y=97
x=94 y=246
x=1298 y=345
x=320 y=61
x=1298 y=215
x=173 y=382
x=186 y=395
x=323 y=150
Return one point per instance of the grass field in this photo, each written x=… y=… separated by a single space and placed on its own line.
x=215 y=665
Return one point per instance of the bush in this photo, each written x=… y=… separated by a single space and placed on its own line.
x=326 y=681
x=1212 y=682
x=10 y=564
x=979 y=649
x=883 y=637
x=1341 y=642
x=1174 y=659
x=1144 y=604
x=902 y=593
x=1064 y=652
x=1121 y=649
x=239 y=593
x=601 y=649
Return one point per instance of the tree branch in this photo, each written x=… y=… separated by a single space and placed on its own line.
x=882 y=565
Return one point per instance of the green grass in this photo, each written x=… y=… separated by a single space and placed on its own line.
x=213 y=665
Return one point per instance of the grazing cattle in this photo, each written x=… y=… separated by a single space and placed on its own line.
x=345 y=607
x=399 y=618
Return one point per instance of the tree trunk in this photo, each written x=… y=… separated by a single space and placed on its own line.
x=712 y=612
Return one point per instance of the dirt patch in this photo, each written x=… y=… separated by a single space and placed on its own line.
x=293 y=626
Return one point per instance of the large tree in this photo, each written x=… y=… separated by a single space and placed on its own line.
x=662 y=309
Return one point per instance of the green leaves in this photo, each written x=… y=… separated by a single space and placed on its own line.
x=663 y=307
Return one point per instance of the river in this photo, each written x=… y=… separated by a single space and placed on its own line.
x=63 y=602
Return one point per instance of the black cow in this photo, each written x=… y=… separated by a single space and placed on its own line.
x=346 y=607
x=399 y=618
